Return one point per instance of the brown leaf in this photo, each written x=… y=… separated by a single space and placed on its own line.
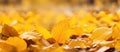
x=9 y=31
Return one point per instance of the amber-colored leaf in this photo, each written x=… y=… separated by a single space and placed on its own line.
x=7 y=48
x=77 y=44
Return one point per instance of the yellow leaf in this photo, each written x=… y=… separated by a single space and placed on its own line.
x=116 y=31
x=19 y=43
x=60 y=49
x=45 y=33
x=117 y=45
x=61 y=31
x=102 y=33
x=77 y=31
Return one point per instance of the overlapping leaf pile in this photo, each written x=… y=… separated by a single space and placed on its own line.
x=81 y=32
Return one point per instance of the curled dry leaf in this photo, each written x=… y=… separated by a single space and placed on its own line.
x=35 y=37
x=107 y=43
x=31 y=35
x=102 y=49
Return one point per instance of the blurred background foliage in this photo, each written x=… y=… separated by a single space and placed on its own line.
x=70 y=2
x=53 y=11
